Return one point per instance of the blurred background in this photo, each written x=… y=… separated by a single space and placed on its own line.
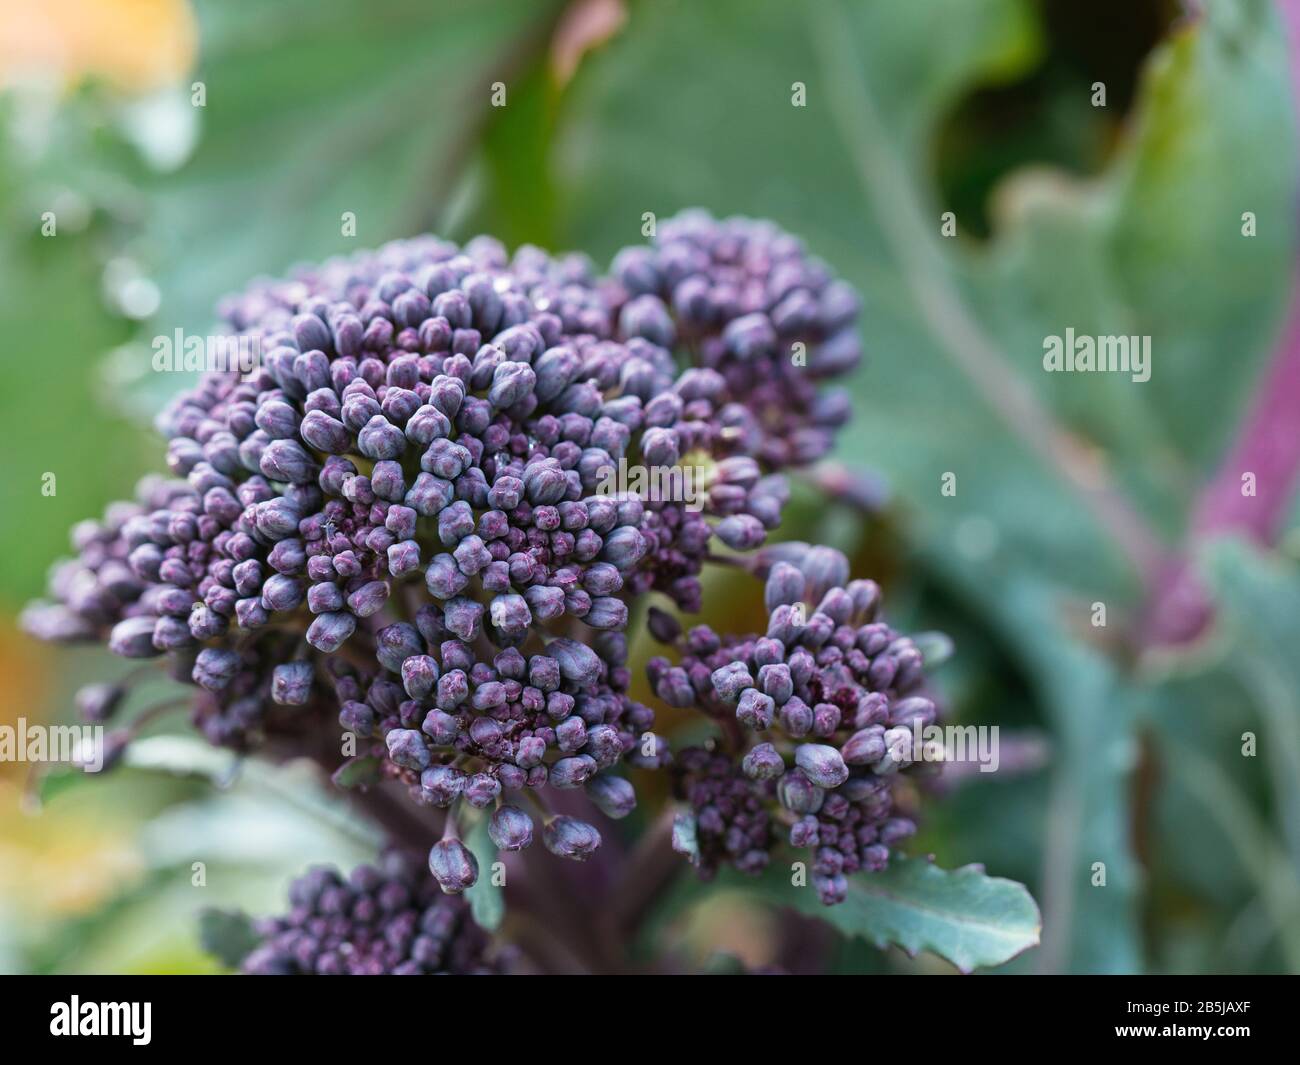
x=185 y=146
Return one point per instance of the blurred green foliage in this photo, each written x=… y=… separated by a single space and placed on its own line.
x=1115 y=220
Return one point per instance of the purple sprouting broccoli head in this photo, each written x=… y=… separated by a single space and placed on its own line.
x=401 y=543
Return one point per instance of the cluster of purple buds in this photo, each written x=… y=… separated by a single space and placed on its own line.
x=403 y=517
x=817 y=720
x=381 y=920
x=489 y=733
x=743 y=297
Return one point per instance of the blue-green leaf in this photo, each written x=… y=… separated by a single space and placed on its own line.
x=965 y=916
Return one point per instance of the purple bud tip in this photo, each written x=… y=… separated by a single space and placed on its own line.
x=215 y=668
x=98 y=701
x=406 y=747
x=822 y=764
x=763 y=763
x=865 y=747
x=291 y=683
x=329 y=631
x=510 y=828
x=133 y=638
x=578 y=662
x=614 y=796
x=567 y=837
x=730 y=680
x=453 y=866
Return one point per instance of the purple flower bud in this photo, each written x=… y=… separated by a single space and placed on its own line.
x=329 y=631
x=510 y=828
x=663 y=627
x=730 y=680
x=487 y=696
x=368 y=599
x=530 y=752
x=357 y=717
x=545 y=603
x=444 y=578
x=171 y=634
x=133 y=638
x=511 y=382
x=381 y=439
x=419 y=675
x=281 y=593
x=824 y=568
x=607 y=613
x=798 y=794
x=914 y=713
x=96 y=702
x=453 y=865
x=455 y=523
x=441 y=785
x=741 y=532
x=288 y=556
x=573 y=772
x=286 y=461
x=624 y=547
x=775 y=680
x=277 y=519
x=826 y=719
x=441 y=727
x=660 y=447
x=796 y=717
x=567 y=837
x=482 y=790
x=831 y=890
x=571 y=734
x=463 y=618
x=896 y=829
x=310 y=334
x=614 y=796
x=324 y=598
x=755 y=709
x=429 y=495
x=291 y=683
x=453 y=689
x=865 y=747
x=750 y=337
x=674 y=688
x=403 y=557
x=604 y=744
x=325 y=433
x=215 y=668
x=822 y=764
x=395 y=644
x=578 y=663
x=407 y=748
x=866 y=600
x=763 y=762
x=646 y=316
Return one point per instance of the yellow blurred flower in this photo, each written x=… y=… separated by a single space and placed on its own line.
x=60 y=862
x=66 y=859
x=134 y=45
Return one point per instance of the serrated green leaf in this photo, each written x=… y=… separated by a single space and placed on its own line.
x=965 y=916
x=183 y=756
x=487 y=902
x=52 y=781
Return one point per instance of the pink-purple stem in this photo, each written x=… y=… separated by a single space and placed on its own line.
x=1267 y=448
